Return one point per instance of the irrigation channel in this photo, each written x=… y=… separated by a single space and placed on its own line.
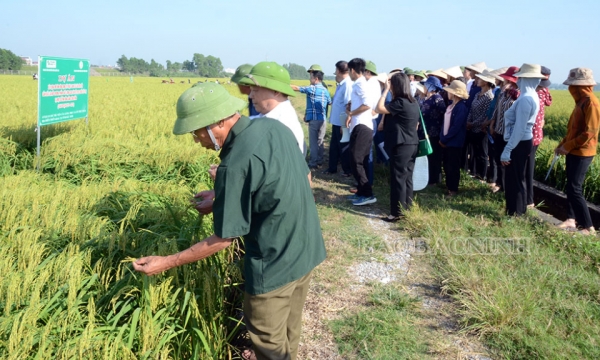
x=554 y=202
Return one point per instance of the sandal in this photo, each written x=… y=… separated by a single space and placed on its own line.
x=566 y=225
x=391 y=219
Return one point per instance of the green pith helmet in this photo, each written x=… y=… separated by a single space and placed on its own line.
x=420 y=73
x=315 y=67
x=269 y=75
x=240 y=72
x=371 y=67
x=408 y=70
x=204 y=104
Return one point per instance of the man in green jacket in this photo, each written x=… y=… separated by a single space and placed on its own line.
x=260 y=163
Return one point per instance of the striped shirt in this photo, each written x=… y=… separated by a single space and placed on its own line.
x=504 y=103
x=478 y=109
x=317 y=99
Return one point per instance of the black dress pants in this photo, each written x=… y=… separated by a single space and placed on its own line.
x=499 y=145
x=335 y=148
x=402 y=165
x=435 y=161
x=515 y=192
x=452 y=167
x=361 y=141
x=479 y=142
x=492 y=171
x=577 y=167
x=529 y=174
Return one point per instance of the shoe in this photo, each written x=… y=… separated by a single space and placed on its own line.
x=363 y=200
x=353 y=197
x=567 y=225
x=391 y=219
x=588 y=232
x=329 y=172
x=353 y=190
x=530 y=206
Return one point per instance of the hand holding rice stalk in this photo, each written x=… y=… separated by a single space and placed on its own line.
x=551 y=166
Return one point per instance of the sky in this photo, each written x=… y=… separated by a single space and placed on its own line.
x=423 y=35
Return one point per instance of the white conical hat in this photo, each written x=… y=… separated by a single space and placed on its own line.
x=454 y=71
x=479 y=67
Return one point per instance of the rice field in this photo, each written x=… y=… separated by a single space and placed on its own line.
x=108 y=193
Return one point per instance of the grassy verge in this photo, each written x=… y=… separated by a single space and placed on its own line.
x=529 y=291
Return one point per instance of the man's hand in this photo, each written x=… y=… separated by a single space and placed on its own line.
x=441 y=144
x=213 y=171
x=561 y=150
x=203 y=201
x=295 y=87
x=348 y=120
x=152 y=265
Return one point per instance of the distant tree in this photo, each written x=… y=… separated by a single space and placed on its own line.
x=176 y=67
x=297 y=72
x=189 y=66
x=199 y=64
x=123 y=63
x=10 y=61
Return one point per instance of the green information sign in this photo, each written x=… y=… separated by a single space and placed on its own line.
x=63 y=89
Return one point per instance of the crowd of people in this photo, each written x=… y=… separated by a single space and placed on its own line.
x=488 y=122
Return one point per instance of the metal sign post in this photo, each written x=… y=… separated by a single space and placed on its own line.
x=62 y=92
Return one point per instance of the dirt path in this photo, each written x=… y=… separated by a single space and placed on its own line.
x=339 y=285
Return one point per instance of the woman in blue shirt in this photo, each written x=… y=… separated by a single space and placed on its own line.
x=453 y=133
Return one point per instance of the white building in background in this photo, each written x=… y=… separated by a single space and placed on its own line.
x=27 y=60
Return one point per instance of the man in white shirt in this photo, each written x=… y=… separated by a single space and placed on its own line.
x=341 y=98
x=269 y=90
x=374 y=93
x=360 y=123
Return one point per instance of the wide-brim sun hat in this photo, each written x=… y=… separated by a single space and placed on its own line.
x=453 y=71
x=457 y=88
x=532 y=71
x=509 y=74
x=580 y=77
x=420 y=88
x=496 y=73
x=478 y=67
x=240 y=72
x=433 y=84
x=382 y=78
x=315 y=67
x=371 y=67
x=439 y=73
x=487 y=76
x=269 y=75
x=204 y=104
x=545 y=83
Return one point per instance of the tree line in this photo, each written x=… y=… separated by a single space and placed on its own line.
x=199 y=65
x=10 y=61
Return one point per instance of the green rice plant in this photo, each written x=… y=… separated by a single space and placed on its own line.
x=108 y=193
